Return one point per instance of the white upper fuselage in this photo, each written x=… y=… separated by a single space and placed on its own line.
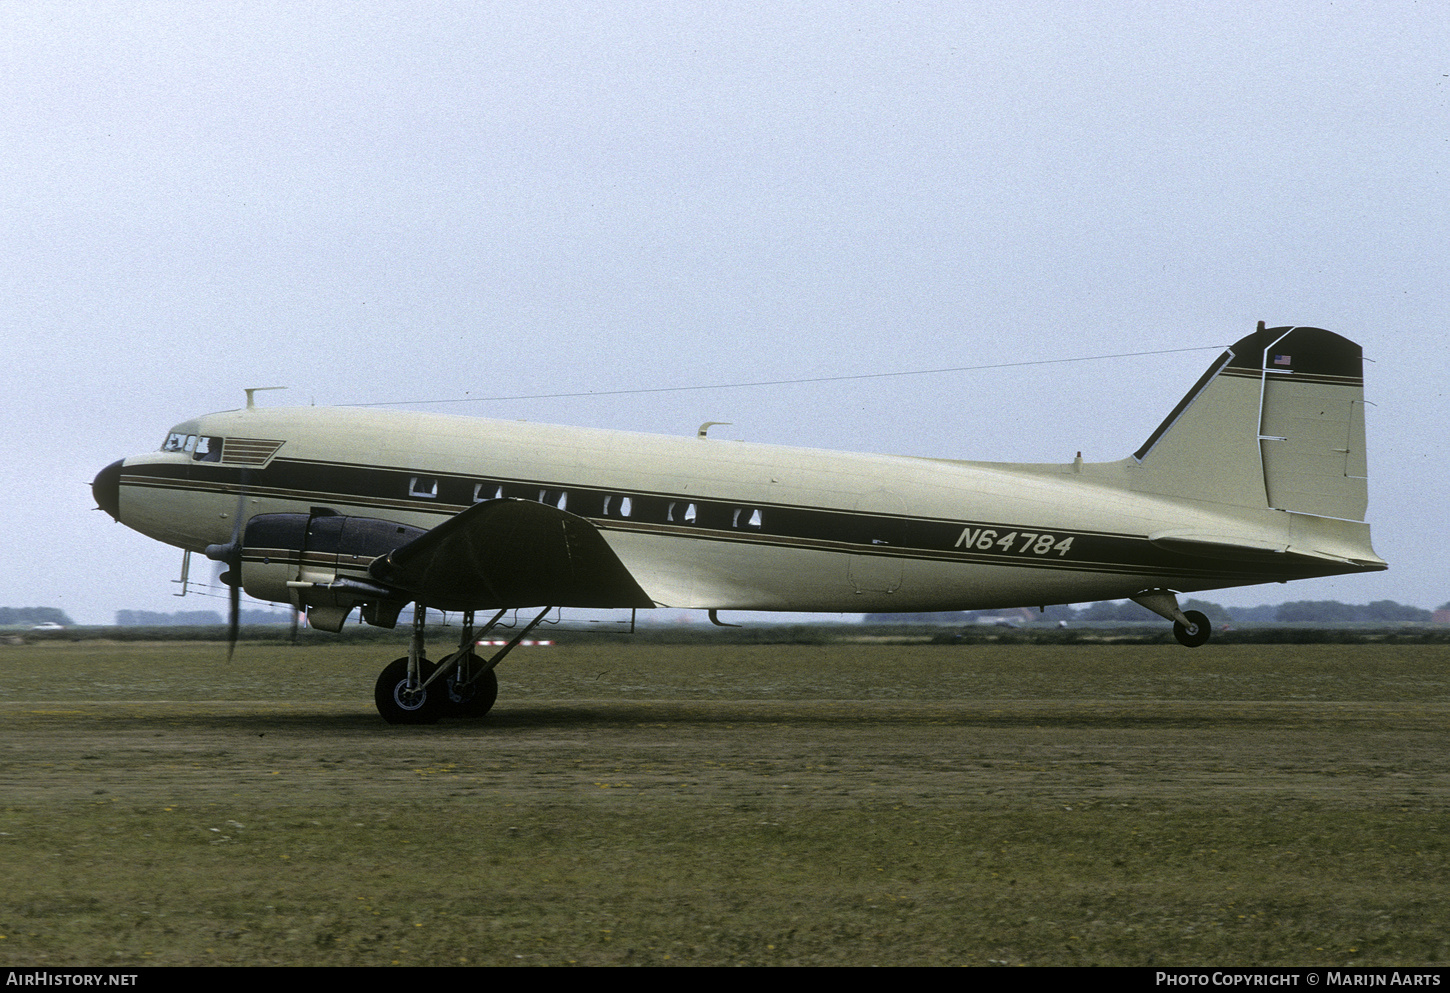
x=702 y=523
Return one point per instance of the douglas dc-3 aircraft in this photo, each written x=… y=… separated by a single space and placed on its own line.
x=1258 y=475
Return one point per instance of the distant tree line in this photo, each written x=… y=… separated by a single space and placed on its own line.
x=196 y=618
x=1333 y=610
x=34 y=615
x=1295 y=612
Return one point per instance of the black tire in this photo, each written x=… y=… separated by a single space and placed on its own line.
x=397 y=705
x=1197 y=631
x=471 y=699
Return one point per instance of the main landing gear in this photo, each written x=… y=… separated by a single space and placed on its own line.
x=412 y=690
x=1190 y=627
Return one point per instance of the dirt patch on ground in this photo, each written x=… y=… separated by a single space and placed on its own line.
x=797 y=752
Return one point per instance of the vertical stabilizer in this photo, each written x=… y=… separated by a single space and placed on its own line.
x=1276 y=422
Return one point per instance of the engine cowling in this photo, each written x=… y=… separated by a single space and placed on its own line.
x=318 y=561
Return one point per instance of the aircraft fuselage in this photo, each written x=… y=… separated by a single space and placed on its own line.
x=709 y=524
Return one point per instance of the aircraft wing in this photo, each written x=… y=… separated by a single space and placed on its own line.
x=511 y=553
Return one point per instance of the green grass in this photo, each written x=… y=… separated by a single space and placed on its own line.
x=1237 y=805
x=448 y=883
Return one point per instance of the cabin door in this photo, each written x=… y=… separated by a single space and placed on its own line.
x=881 y=528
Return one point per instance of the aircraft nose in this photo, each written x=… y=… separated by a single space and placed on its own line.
x=106 y=488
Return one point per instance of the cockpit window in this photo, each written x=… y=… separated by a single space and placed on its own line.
x=201 y=447
x=228 y=451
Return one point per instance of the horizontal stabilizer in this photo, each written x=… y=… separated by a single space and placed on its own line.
x=1241 y=549
x=1216 y=547
x=511 y=553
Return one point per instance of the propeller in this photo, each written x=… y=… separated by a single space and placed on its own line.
x=234 y=604
x=230 y=555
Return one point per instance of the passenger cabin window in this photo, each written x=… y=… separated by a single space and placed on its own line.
x=681 y=513
x=621 y=505
x=481 y=492
x=423 y=486
x=745 y=517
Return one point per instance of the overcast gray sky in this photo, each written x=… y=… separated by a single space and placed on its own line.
x=409 y=201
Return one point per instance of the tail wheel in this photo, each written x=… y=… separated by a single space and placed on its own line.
x=471 y=699
x=1195 y=632
x=401 y=705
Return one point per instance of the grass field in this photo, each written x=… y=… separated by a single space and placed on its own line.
x=812 y=804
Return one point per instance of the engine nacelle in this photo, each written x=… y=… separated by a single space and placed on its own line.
x=320 y=561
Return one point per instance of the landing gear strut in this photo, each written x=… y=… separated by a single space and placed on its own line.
x=412 y=690
x=402 y=694
x=1191 y=627
x=469 y=688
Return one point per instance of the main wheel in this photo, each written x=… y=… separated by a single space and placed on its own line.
x=400 y=705
x=1196 y=632
x=474 y=699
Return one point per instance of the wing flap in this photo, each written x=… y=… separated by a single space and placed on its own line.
x=511 y=553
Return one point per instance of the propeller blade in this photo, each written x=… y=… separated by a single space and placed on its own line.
x=234 y=564
x=234 y=619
